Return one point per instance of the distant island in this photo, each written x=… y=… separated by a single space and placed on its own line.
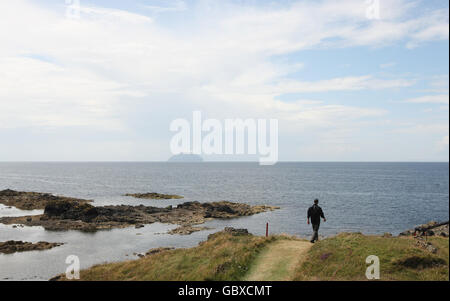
x=186 y=158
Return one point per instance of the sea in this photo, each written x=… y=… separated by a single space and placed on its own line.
x=372 y=198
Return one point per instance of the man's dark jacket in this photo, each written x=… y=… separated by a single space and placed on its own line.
x=315 y=213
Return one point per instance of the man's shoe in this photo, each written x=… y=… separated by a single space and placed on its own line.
x=312 y=241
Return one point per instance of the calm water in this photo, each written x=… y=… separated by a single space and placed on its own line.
x=371 y=198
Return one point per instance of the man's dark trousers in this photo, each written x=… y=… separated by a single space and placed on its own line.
x=315 y=236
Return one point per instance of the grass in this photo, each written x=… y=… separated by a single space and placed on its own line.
x=227 y=257
x=221 y=257
x=343 y=258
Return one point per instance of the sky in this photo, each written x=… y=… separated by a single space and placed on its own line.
x=104 y=82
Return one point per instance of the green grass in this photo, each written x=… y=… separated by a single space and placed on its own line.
x=227 y=257
x=343 y=258
x=222 y=257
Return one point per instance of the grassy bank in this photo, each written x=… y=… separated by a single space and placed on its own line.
x=225 y=256
x=343 y=258
x=222 y=257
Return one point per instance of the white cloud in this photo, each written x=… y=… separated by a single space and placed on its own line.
x=431 y=128
x=37 y=93
x=167 y=6
x=220 y=62
x=434 y=26
x=109 y=53
x=442 y=144
x=387 y=65
x=440 y=99
x=439 y=84
x=344 y=84
x=103 y=14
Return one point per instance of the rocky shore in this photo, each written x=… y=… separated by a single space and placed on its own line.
x=422 y=232
x=32 y=200
x=10 y=247
x=432 y=228
x=154 y=196
x=70 y=214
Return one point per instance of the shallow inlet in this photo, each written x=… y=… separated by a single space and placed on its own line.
x=91 y=248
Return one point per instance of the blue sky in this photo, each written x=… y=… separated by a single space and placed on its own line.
x=106 y=85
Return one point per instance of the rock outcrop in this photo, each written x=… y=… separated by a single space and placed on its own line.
x=32 y=200
x=12 y=246
x=187 y=230
x=421 y=232
x=426 y=245
x=229 y=230
x=158 y=250
x=73 y=215
x=154 y=196
x=432 y=228
x=236 y=232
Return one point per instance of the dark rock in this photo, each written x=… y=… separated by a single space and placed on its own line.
x=236 y=232
x=12 y=246
x=154 y=196
x=406 y=233
x=158 y=250
x=71 y=210
x=72 y=215
x=430 y=229
x=31 y=200
x=187 y=230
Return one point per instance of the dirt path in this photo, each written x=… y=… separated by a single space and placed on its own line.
x=278 y=261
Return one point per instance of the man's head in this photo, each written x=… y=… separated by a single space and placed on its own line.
x=316 y=201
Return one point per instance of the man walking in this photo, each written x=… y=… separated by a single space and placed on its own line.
x=315 y=213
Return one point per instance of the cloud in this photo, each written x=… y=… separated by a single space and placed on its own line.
x=66 y=97
x=387 y=65
x=325 y=24
x=442 y=145
x=107 y=53
x=432 y=27
x=439 y=99
x=103 y=14
x=174 y=6
x=430 y=128
x=439 y=84
x=96 y=71
x=344 y=84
